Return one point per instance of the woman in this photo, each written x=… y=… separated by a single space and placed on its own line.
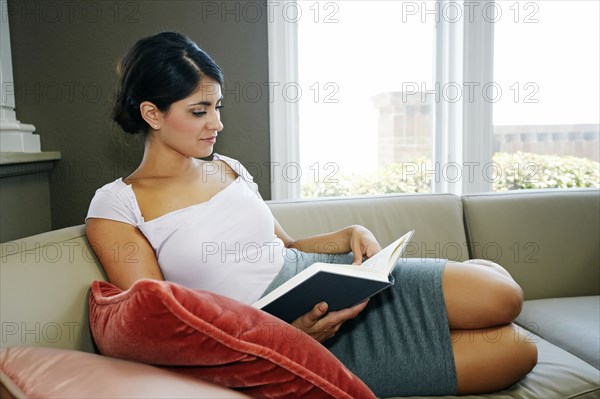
x=444 y=328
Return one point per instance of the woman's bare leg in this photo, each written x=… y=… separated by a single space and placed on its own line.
x=491 y=359
x=480 y=294
x=481 y=300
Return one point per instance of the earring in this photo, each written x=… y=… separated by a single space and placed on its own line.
x=156 y=126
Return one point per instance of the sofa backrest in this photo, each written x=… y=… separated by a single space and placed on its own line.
x=436 y=218
x=45 y=281
x=549 y=240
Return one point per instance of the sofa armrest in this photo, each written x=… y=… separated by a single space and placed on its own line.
x=44 y=282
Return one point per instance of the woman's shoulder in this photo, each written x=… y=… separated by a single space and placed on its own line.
x=228 y=160
x=234 y=164
x=239 y=169
x=115 y=186
x=115 y=200
x=116 y=190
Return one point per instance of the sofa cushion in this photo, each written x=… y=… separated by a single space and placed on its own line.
x=571 y=323
x=212 y=337
x=558 y=374
x=30 y=372
x=547 y=239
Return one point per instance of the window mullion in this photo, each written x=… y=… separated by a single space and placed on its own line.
x=448 y=114
x=478 y=100
x=463 y=124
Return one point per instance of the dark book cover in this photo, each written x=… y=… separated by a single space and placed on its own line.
x=339 y=291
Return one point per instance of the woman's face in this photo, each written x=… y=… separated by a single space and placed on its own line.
x=190 y=126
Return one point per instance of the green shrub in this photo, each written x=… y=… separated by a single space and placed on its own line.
x=512 y=172
x=392 y=178
x=522 y=170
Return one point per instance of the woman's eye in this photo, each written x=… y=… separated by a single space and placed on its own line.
x=202 y=113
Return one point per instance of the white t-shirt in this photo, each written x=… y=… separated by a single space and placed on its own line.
x=226 y=245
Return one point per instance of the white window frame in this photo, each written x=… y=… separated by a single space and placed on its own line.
x=463 y=128
x=283 y=114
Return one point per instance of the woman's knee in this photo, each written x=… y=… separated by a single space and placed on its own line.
x=492 y=359
x=507 y=301
x=520 y=353
x=507 y=295
x=477 y=296
x=491 y=266
x=528 y=352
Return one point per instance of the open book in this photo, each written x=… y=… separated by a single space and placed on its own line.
x=341 y=286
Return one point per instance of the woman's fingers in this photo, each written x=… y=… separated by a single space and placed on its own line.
x=316 y=313
x=322 y=325
x=308 y=321
x=346 y=314
x=363 y=244
x=358 y=257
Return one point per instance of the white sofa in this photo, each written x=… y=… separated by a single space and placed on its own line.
x=548 y=240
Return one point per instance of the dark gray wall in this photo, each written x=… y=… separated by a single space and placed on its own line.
x=64 y=59
x=24 y=203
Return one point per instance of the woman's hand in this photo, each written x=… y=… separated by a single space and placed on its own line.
x=322 y=325
x=363 y=244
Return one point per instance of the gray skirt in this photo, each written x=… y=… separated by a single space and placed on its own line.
x=399 y=345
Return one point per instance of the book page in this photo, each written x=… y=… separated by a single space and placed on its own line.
x=384 y=260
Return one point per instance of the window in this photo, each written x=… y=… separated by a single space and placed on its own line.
x=546 y=124
x=360 y=116
x=404 y=96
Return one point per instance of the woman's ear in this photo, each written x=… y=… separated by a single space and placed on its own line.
x=151 y=114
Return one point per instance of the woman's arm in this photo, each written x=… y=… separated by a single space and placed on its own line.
x=355 y=238
x=125 y=254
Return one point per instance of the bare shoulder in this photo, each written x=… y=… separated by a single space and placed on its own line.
x=100 y=230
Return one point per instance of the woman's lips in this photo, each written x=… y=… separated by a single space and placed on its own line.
x=210 y=140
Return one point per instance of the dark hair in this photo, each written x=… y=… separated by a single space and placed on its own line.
x=162 y=69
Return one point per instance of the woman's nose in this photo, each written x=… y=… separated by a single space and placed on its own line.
x=215 y=122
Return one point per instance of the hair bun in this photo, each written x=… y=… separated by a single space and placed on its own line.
x=127 y=115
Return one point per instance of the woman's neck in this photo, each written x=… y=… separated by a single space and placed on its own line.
x=161 y=161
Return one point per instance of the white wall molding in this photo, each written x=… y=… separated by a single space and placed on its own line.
x=14 y=135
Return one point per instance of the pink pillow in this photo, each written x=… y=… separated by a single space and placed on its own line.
x=218 y=339
x=28 y=372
